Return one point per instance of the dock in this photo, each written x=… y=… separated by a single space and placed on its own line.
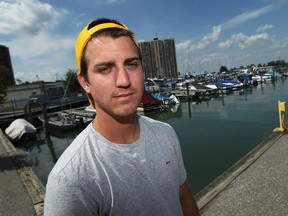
x=255 y=185
x=21 y=192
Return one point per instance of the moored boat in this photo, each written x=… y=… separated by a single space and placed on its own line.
x=149 y=103
x=166 y=100
x=20 y=129
x=66 y=121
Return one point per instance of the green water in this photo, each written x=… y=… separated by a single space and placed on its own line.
x=214 y=133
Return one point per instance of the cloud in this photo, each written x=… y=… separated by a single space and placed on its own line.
x=203 y=42
x=244 y=41
x=280 y=44
x=44 y=53
x=264 y=28
x=115 y=1
x=184 y=45
x=27 y=16
x=43 y=44
x=25 y=27
x=247 y=16
x=110 y=2
x=207 y=39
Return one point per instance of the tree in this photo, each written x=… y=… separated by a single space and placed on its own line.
x=3 y=83
x=3 y=93
x=71 y=82
x=223 y=69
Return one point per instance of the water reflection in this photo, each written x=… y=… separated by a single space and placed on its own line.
x=50 y=145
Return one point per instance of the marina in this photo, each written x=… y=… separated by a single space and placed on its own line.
x=222 y=87
x=214 y=132
x=224 y=144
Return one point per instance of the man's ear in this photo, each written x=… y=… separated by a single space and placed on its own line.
x=83 y=83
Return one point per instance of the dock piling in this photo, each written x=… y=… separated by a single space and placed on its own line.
x=281 y=111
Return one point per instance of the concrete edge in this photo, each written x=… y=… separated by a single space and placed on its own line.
x=33 y=185
x=220 y=183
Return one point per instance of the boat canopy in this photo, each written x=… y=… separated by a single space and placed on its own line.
x=18 y=128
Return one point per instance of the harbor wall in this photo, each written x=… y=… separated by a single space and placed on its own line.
x=33 y=185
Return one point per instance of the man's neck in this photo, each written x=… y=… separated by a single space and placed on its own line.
x=121 y=130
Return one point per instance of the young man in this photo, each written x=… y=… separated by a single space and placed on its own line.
x=122 y=163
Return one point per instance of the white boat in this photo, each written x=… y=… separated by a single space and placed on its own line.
x=151 y=86
x=183 y=86
x=263 y=78
x=212 y=87
x=235 y=85
x=205 y=90
x=183 y=94
x=181 y=90
x=166 y=100
x=19 y=129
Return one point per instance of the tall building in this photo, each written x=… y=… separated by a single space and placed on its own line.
x=5 y=61
x=159 y=58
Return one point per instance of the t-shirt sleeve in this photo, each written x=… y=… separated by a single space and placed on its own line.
x=64 y=198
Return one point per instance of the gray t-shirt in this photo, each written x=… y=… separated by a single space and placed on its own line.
x=96 y=177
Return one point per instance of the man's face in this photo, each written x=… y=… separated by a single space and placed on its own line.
x=115 y=78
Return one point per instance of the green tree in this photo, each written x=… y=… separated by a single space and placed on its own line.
x=71 y=82
x=223 y=69
x=3 y=83
x=271 y=63
x=3 y=93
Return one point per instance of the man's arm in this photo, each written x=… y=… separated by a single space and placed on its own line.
x=188 y=203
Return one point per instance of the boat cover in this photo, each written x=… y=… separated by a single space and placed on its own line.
x=148 y=99
x=18 y=128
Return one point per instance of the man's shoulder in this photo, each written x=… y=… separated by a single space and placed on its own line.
x=71 y=153
x=154 y=124
x=149 y=120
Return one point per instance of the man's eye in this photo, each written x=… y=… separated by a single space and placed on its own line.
x=133 y=65
x=104 y=70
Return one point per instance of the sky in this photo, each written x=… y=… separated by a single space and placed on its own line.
x=40 y=34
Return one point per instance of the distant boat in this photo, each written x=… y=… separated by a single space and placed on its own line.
x=246 y=79
x=236 y=85
x=204 y=90
x=149 y=103
x=185 y=89
x=65 y=121
x=263 y=78
x=183 y=86
x=213 y=87
x=166 y=100
x=228 y=85
x=183 y=94
x=151 y=86
x=20 y=129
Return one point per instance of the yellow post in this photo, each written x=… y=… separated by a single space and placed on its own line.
x=281 y=111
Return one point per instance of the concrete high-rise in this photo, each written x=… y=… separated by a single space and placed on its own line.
x=159 y=58
x=5 y=62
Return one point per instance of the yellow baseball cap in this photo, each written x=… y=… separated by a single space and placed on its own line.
x=86 y=34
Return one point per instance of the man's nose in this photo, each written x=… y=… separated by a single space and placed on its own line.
x=123 y=78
